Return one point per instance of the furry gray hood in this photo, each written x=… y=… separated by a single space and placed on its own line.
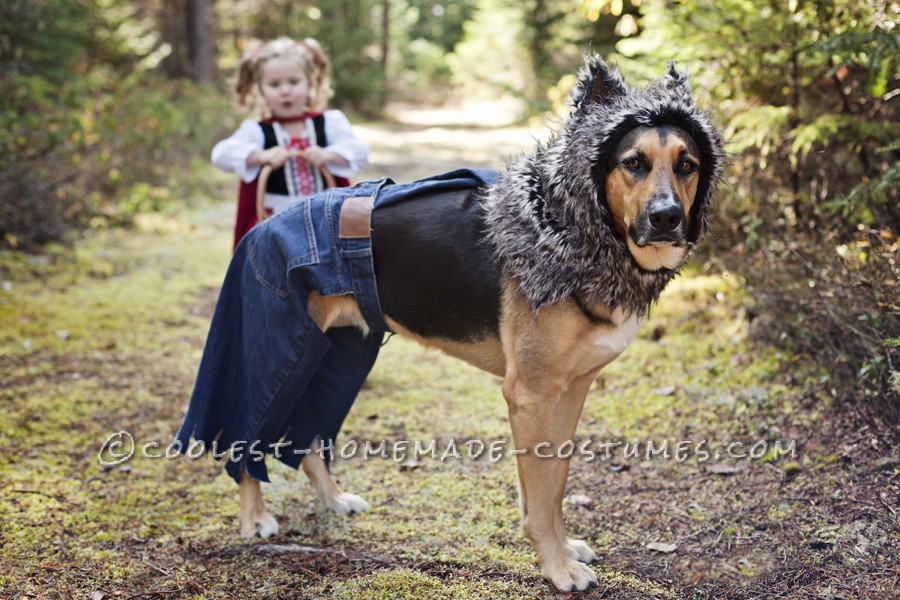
x=548 y=218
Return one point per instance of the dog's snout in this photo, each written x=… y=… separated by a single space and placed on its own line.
x=666 y=218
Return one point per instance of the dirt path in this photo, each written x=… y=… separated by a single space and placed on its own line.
x=105 y=337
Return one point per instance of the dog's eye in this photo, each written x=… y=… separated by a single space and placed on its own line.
x=633 y=164
x=686 y=166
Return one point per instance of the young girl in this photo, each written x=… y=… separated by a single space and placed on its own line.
x=293 y=79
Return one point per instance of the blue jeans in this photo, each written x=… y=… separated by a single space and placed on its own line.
x=268 y=374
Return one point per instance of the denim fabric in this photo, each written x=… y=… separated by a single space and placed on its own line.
x=268 y=373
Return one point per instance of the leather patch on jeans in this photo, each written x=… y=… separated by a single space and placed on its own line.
x=356 y=217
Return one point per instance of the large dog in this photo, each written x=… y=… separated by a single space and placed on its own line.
x=541 y=278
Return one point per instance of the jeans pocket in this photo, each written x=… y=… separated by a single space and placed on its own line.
x=282 y=243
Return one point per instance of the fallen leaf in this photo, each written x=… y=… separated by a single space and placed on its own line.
x=665 y=391
x=580 y=500
x=886 y=463
x=287 y=548
x=723 y=469
x=862 y=544
x=660 y=547
x=95 y=595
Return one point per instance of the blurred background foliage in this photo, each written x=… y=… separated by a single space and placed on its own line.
x=107 y=103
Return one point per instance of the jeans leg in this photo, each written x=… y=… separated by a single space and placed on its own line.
x=270 y=421
x=324 y=404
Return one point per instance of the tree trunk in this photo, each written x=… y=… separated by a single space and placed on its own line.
x=385 y=46
x=793 y=122
x=199 y=44
x=171 y=18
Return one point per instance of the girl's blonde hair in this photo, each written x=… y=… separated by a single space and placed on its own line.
x=312 y=59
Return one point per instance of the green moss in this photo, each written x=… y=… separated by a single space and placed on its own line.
x=791 y=468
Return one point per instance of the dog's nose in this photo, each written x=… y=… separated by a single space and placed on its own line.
x=666 y=218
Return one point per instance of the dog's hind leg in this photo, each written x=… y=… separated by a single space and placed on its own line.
x=255 y=520
x=328 y=491
x=337 y=382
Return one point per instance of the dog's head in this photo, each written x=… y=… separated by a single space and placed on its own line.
x=654 y=159
x=608 y=208
x=651 y=184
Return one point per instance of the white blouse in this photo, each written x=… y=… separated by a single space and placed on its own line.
x=231 y=154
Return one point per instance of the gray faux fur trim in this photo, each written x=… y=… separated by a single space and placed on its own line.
x=547 y=218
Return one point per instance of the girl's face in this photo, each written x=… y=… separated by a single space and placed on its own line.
x=284 y=86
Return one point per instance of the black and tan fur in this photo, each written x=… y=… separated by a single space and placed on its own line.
x=543 y=278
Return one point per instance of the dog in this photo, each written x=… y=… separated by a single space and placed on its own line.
x=541 y=278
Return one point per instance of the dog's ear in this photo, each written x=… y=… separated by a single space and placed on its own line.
x=676 y=83
x=597 y=83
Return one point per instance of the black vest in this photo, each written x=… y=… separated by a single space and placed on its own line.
x=277 y=184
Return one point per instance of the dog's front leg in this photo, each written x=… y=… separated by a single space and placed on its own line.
x=571 y=407
x=542 y=416
x=253 y=516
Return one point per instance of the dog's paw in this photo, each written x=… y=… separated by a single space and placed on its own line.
x=263 y=526
x=580 y=551
x=346 y=504
x=571 y=576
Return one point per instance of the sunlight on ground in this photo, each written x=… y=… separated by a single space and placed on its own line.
x=497 y=113
x=428 y=142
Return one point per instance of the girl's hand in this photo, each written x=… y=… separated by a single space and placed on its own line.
x=274 y=156
x=320 y=157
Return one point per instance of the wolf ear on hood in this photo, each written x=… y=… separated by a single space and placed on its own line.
x=597 y=84
x=677 y=83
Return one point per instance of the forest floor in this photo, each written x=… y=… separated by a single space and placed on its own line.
x=105 y=336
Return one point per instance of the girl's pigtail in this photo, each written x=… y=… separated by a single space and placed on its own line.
x=320 y=91
x=244 y=87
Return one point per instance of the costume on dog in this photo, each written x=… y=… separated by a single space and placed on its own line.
x=548 y=219
x=296 y=177
x=268 y=374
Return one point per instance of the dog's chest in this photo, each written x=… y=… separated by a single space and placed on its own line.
x=609 y=341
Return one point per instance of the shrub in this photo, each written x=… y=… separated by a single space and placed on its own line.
x=807 y=91
x=88 y=132
x=838 y=303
